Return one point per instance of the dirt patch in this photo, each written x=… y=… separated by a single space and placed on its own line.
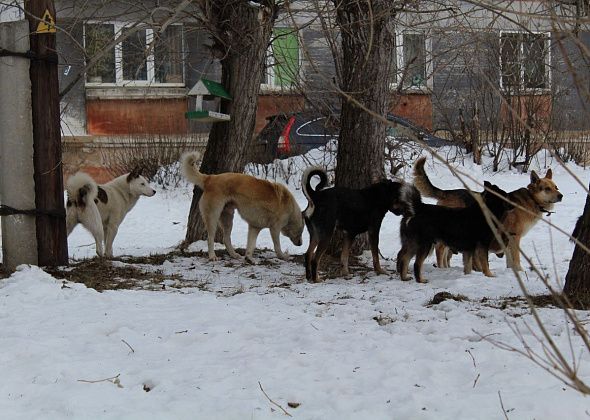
x=101 y=274
x=157 y=259
x=330 y=268
x=540 y=301
x=141 y=272
x=442 y=296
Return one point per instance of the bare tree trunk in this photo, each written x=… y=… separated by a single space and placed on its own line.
x=241 y=31
x=577 y=279
x=367 y=34
x=52 y=245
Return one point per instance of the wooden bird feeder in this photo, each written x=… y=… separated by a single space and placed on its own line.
x=207 y=90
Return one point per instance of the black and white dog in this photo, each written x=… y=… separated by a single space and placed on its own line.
x=102 y=208
x=351 y=211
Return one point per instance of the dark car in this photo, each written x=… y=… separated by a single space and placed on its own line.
x=287 y=135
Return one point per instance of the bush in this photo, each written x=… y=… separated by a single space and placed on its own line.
x=156 y=155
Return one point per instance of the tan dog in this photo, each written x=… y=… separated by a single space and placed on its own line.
x=529 y=205
x=262 y=204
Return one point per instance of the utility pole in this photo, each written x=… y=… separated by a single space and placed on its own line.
x=17 y=187
x=49 y=201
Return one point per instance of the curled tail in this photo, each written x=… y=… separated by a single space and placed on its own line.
x=190 y=169
x=82 y=189
x=422 y=182
x=308 y=191
x=411 y=200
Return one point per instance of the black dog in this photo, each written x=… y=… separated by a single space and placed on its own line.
x=461 y=229
x=349 y=210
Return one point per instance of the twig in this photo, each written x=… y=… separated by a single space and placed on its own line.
x=284 y=411
x=502 y=404
x=128 y=345
x=472 y=358
x=111 y=379
x=476 y=379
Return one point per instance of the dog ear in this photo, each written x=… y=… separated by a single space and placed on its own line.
x=549 y=174
x=534 y=177
x=134 y=174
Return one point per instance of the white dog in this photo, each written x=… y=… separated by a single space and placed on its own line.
x=102 y=208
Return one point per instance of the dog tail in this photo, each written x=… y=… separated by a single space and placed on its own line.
x=422 y=182
x=81 y=189
x=411 y=200
x=309 y=173
x=308 y=191
x=190 y=170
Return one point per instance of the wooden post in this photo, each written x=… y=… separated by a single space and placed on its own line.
x=51 y=231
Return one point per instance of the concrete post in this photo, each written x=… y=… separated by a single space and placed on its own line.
x=17 y=187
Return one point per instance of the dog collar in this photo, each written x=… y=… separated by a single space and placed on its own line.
x=544 y=210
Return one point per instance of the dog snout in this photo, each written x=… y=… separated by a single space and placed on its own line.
x=559 y=196
x=298 y=241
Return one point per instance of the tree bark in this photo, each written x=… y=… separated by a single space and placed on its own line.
x=367 y=32
x=577 y=279
x=241 y=32
x=52 y=246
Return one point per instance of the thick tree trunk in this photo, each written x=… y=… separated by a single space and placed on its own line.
x=241 y=39
x=367 y=43
x=577 y=279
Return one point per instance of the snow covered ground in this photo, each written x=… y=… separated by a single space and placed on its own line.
x=237 y=341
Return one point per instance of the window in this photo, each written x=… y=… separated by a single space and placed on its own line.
x=143 y=57
x=524 y=61
x=409 y=61
x=97 y=38
x=283 y=60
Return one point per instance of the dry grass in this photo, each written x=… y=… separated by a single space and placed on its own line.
x=101 y=274
x=442 y=296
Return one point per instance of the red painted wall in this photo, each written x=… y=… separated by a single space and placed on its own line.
x=416 y=108
x=124 y=116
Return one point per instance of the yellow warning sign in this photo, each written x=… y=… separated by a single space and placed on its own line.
x=47 y=24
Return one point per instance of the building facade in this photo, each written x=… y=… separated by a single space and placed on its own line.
x=126 y=69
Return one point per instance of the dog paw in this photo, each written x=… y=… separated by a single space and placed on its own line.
x=382 y=272
x=213 y=258
x=250 y=260
x=234 y=255
x=422 y=280
x=284 y=257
